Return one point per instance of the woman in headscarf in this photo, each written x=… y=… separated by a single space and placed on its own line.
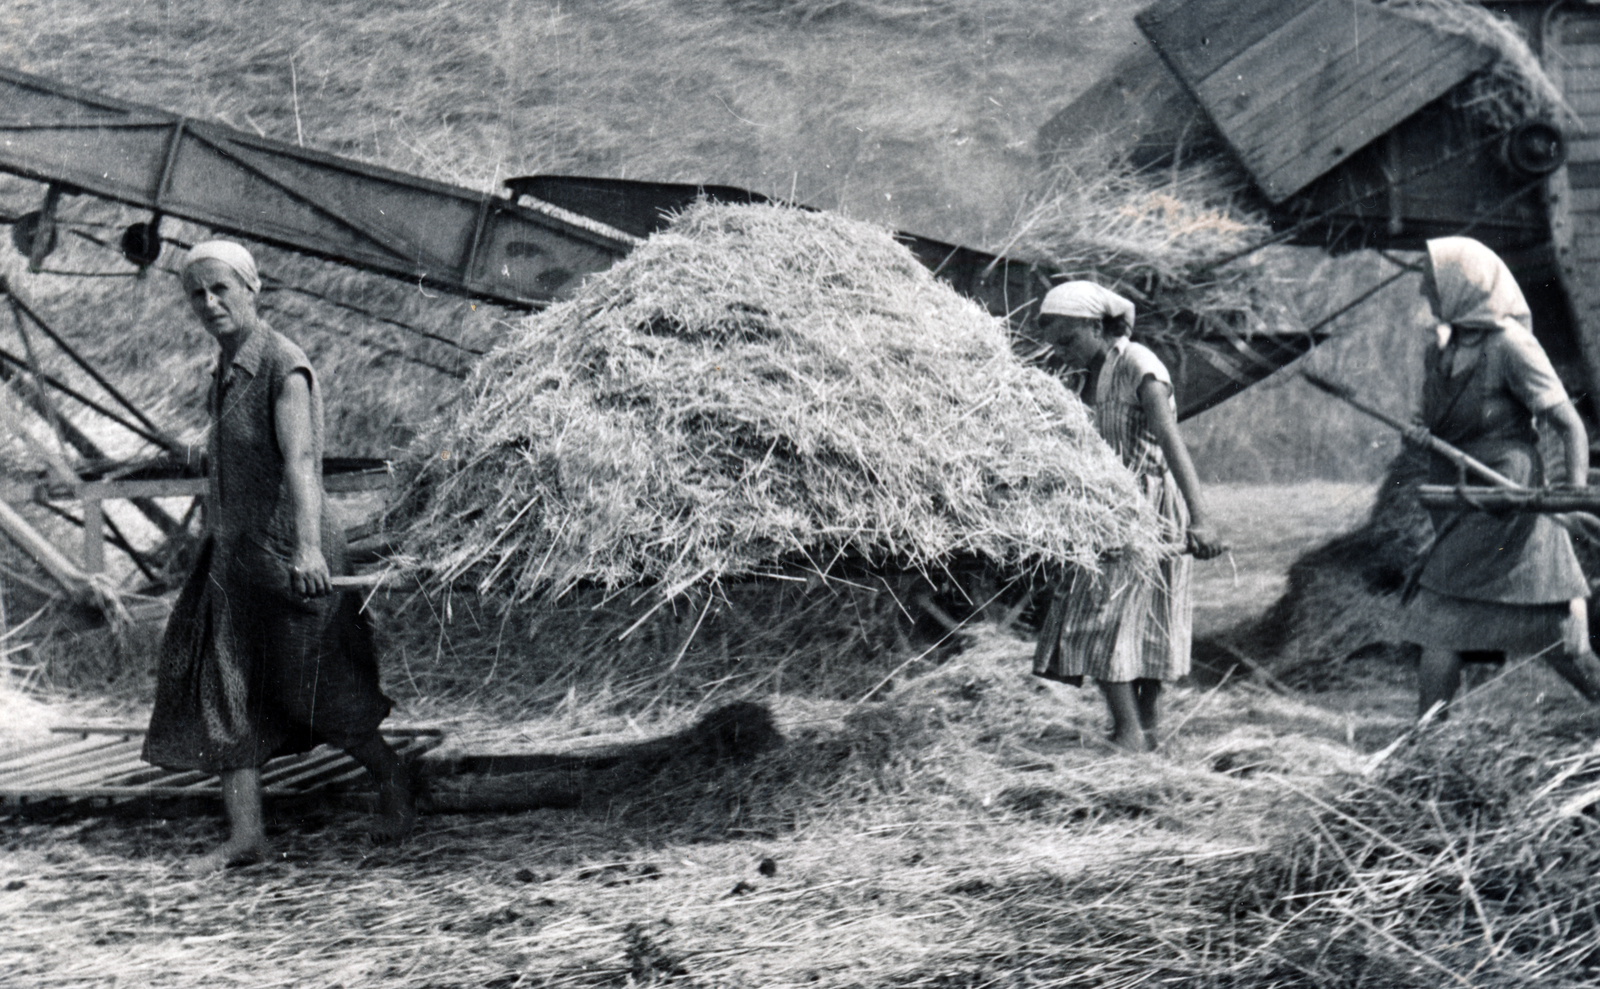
x=259 y=658
x=1128 y=630
x=1494 y=584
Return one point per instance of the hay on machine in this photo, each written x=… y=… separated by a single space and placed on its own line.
x=760 y=391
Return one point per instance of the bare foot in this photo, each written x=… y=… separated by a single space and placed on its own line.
x=1133 y=741
x=234 y=851
x=397 y=813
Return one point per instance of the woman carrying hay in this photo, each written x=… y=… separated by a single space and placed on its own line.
x=1126 y=629
x=259 y=658
x=1493 y=584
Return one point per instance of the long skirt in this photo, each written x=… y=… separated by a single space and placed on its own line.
x=247 y=671
x=1439 y=621
x=1121 y=624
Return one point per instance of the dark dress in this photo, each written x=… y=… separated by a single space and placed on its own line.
x=1500 y=582
x=247 y=668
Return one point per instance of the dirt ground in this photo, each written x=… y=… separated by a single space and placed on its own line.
x=969 y=830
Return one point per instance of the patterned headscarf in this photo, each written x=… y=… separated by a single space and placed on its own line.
x=1087 y=300
x=228 y=253
x=1476 y=288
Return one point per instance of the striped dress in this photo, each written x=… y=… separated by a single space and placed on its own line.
x=1119 y=625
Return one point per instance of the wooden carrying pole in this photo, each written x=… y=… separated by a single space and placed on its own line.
x=61 y=570
x=1575 y=520
x=1547 y=500
x=1413 y=433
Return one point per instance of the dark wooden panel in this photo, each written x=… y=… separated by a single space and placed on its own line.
x=1196 y=37
x=1324 y=142
x=1577 y=26
x=1584 y=174
x=1354 y=84
x=1311 y=66
x=1299 y=99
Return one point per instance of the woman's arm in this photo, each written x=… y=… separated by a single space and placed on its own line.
x=1574 y=441
x=1156 y=397
x=308 y=570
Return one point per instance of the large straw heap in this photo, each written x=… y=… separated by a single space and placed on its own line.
x=753 y=390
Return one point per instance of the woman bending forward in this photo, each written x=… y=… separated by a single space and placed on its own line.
x=1127 y=630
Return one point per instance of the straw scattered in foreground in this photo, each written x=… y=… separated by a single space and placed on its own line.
x=761 y=389
x=966 y=831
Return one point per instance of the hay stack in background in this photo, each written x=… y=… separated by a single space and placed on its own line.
x=1162 y=237
x=1344 y=597
x=760 y=389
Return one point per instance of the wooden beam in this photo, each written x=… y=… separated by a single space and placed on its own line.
x=43 y=552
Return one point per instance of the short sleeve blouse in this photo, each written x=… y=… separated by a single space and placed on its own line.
x=1119 y=412
x=250 y=490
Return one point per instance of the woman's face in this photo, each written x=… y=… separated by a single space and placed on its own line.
x=222 y=301
x=1074 y=340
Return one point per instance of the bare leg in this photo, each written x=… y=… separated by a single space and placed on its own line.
x=1438 y=678
x=396 y=809
x=247 y=839
x=1148 y=693
x=1126 y=732
x=1576 y=662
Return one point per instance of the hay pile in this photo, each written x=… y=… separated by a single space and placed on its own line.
x=1467 y=859
x=1163 y=237
x=1344 y=597
x=756 y=390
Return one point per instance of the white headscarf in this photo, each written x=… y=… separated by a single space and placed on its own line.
x=1087 y=300
x=1476 y=288
x=228 y=253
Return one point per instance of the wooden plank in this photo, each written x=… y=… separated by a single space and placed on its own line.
x=351 y=483
x=98 y=773
x=1585 y=102
x=175 y=487
x=104 y=765
x=1577 y=26
x=1566 y=56
x=69 y=756
x=1316 y=119
x=1309 y=85
x=1388 y=100
x=94 y=536
x=1574 y=80
x=1325 y=98
x=1320 y=42
x=1196 y=37
x=19 y=761
x=61 y=570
